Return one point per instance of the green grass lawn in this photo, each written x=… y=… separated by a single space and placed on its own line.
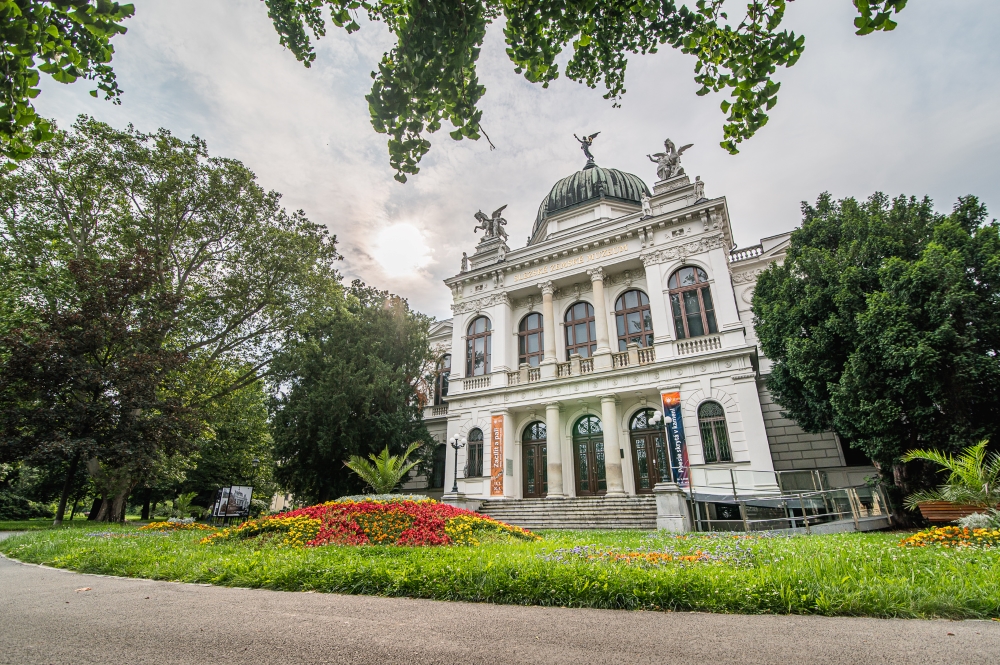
x=845 y=574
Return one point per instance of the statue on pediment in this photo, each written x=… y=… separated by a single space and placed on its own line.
x=668 y=163
x=492 y=225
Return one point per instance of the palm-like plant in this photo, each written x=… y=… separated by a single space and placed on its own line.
x=974 y=477
x=384 y=472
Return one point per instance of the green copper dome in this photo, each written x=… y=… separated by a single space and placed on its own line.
x=593 y=182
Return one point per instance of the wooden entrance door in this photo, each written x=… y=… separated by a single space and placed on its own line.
x=533 y=461
x=534 y=467
x=649 y=453
x=588 y=457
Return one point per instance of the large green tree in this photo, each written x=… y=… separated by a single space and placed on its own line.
x=86 y=382
x=429 y=76
x=351 y=387
x=883 y=323
x=245 y=275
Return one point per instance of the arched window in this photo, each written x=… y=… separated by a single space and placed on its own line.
x=635 y=324
x=529 y=340
x=437 y=466
x=581 y=331
x=474 y=462
x=478 y=347
x=441 y=379
x=691 y=303
x=714 y=435
x=534 y=461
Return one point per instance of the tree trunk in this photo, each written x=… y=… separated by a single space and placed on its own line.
x=67 y=486
x=147 y=498
x=95 y=509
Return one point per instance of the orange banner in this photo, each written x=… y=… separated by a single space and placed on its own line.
x=496 y=457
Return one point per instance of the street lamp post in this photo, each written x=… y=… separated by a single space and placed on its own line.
x=457 y=444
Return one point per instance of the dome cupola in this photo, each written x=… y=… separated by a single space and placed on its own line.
x=591 y=183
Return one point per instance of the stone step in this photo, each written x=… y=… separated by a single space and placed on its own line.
x=575 y=513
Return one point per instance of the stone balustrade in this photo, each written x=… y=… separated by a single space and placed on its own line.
x=686 y=347
x=476 y=383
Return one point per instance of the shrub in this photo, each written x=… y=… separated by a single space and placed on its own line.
x=990 y=520
x=14 y=507
x=288 y=531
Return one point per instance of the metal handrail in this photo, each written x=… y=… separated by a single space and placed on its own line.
x=801 y=510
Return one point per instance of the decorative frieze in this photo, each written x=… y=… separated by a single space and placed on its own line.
x=747 y=276
x=480 y=303
x=683 y=251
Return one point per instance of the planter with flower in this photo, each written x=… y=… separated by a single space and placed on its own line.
x=972 y=487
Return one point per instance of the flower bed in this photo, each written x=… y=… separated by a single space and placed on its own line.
x=371 y=522
x=953 y=536
x=176 y=526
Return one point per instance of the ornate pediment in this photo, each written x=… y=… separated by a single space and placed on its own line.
x=480 y=304
x=699 y=246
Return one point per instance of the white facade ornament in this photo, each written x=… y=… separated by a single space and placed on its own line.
x=547 y=288
x=596 y=274
x=683 y=251
x=465 y=262
x=699 y=188
x=748 y=276
x=668 y=163
x=647 y=209
x=481 y=303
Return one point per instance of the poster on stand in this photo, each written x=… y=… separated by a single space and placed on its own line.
x=496 y=457
x=679 y=465
x=238 y=503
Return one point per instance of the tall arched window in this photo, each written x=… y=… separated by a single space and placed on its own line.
x=478 y=347
x=581 y=331
x=529 y=340
x=635 y=324
x=441 y=379
x=714 y=435
x=474 y=462
x=691 y=303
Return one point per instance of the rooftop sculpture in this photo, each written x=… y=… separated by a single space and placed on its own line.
x=668 y=163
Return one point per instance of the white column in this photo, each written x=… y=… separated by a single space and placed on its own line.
x=548 y=323
x=600 y=310
x=612 y=449
x=509 y=481
x=659 y=305
x=553 y=449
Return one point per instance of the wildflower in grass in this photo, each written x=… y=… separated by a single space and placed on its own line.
x=176 y=526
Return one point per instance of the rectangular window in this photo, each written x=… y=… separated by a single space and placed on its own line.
x=474 y=464
x=692 y=311
x=675 y=307
x=706 y=296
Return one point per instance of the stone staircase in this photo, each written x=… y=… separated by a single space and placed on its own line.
x=627 y=512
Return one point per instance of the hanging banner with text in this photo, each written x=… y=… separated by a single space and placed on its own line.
x=496 y=457
x=679 y=464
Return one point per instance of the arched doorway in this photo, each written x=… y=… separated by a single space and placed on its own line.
x=649 y=452
x=588 y=457
x=534 y=461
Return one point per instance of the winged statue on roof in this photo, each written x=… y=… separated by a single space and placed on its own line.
x=585 y=144
x=668 y=163
x=492 y=225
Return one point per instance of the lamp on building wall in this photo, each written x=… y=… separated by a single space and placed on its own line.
x=457 y=444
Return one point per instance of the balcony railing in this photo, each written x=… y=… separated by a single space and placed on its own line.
x=440 y=410
x=476 y=383
x=534 y=374
x=513 y=378
x=586 y=365
x=563 y=369
x=745 y=253
x=647 y=356
x=619 y=359
x=697 y=345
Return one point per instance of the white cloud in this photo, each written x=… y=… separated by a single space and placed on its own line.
x=912 y=111
x=401 y=250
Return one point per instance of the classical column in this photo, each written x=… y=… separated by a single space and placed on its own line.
x=612 y=450
x=553 y=451
x=548 y=323
x=600 y=310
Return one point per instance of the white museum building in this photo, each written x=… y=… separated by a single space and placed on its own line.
x=612 y=355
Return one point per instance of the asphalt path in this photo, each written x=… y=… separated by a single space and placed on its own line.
x=55 y=616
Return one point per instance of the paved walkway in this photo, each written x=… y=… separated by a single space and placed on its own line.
x=45 y=618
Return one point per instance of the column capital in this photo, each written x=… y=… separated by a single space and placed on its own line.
x=609 y=398
x=596 y=274
x=547 y=288
x=553 y=405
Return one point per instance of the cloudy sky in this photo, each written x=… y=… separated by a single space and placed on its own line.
x=914 y=111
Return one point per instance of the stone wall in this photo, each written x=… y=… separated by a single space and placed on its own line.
x=791 y=447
